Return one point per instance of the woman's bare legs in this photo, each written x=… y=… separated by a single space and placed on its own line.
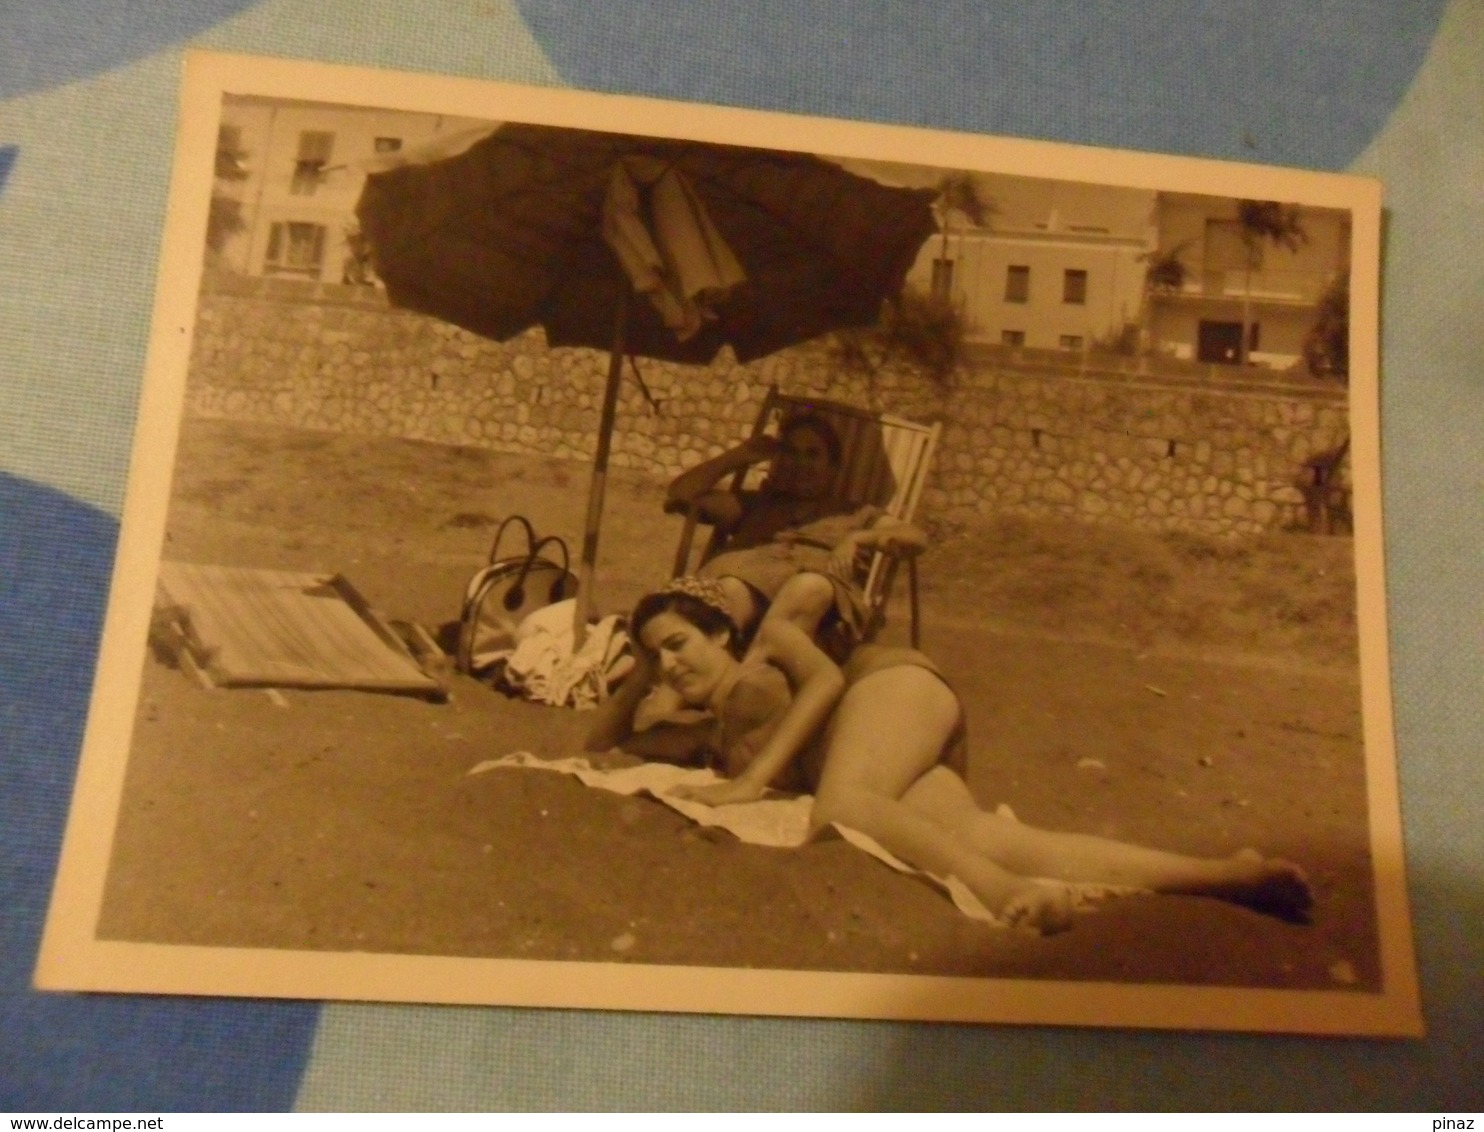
x=887 y=733
x=1272 y=886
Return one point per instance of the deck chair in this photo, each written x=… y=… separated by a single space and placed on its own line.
x=885 y=461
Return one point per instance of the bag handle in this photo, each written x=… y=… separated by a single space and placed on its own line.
x=515 y=596
x=542 y=544
x=500 y=534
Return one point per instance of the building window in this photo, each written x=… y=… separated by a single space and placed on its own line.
x=942 y=280
x=1017 y=283
x=1071 y=341
x=1074 y=286
x=1012 y=338
x=295 y=248
x=387 y=145
x=315 y=147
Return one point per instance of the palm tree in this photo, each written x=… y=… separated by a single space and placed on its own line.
x=1263 y=222
x=958 y=194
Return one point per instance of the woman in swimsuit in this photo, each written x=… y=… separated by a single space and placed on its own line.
x=791 y=549
x=881 y=746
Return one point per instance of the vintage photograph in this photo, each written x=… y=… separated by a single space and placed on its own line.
x=586 y=551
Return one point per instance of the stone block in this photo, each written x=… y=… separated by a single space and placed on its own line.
x=1090 y=503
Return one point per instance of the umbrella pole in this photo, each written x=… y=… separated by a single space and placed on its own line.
x=600 y=473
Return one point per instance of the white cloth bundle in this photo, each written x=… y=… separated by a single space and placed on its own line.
x=543 y=666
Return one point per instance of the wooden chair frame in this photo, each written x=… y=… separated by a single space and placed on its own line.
x=885 y=461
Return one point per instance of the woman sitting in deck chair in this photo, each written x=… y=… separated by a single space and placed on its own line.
x=791 y=548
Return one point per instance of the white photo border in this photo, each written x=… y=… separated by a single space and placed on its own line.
x=73 y=958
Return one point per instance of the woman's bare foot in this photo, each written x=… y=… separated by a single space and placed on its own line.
x=1045 y=908
x=1269 y=885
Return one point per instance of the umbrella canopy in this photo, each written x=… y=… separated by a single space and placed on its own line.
x=547 y=226
x=508 y=235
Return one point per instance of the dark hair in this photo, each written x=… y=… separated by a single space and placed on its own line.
x=702 y=615
x=821 y=428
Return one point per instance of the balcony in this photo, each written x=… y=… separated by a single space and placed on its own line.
x=1283 y=288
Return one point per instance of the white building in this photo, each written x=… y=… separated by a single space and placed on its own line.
x=1225 y=282
x=1066 y=265
x=292 y=172
x=1057 y=265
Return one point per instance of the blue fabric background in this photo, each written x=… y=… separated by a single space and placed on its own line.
x=1288 y=84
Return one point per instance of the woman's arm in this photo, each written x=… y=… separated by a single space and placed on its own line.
x=691 y=484
x=670 y=742
x=818 y=685
x=613 y=724
x=613 y=720
x=885 y=534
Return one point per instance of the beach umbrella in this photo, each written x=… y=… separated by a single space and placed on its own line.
x=640 y=246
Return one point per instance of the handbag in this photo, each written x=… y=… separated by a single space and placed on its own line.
x=505 y=591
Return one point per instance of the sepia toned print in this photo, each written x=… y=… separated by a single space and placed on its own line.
x=1035 y=490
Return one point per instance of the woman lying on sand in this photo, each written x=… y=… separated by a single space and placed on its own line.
x=881 y=746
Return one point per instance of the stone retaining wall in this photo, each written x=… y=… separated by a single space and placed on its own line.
x=1159 y=452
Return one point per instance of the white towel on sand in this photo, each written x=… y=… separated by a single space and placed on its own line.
x=778 y=820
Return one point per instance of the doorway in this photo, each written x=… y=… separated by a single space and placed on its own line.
x=1219 y=342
